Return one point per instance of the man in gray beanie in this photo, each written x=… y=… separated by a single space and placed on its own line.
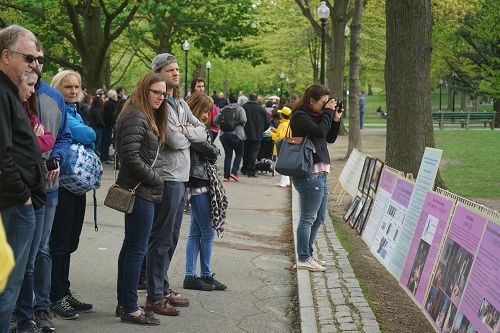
x=183 y=128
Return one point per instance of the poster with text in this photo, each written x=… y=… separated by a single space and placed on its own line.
x=451 y=275
x=382 y=199
x=427 y=241
x=387 y=235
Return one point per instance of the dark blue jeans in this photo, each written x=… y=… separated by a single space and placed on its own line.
x=19 y=223
x=43 y=261
x=231 y=142
x=201 y=235
x=313 y=197
x=137 y=230
x=107 y=135
x=64 y=240
x=164 y=238
x=24 y=308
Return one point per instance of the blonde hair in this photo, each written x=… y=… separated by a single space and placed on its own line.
x=59 y=77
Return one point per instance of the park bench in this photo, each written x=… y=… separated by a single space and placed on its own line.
x=464 y=118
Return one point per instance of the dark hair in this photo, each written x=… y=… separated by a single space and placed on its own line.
x=252 y=97
x=86 y=99
x=31 y=103
x=233 y=98
x=269 y=104
x=119 y=90
x=315 y=92
x=194 y=82
x=283 y=102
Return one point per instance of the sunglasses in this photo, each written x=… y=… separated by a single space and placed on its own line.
x=158 y=93
x=30 y=58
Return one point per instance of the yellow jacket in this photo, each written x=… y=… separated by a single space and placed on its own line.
x=280 y=132
x=6 y=258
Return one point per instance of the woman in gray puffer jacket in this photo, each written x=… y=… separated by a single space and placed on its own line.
x=140 y=133
x=201 y=232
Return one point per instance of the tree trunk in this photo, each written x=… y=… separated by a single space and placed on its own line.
x=496 y=108
x=407 y=80
x=463 y=102
x=337 y=49
x=450 y=98
x=475 y=103
x=354 y=66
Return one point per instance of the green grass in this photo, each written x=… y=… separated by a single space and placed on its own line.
x=473 y=162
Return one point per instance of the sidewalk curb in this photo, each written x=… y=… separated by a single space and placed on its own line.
x=306 y=301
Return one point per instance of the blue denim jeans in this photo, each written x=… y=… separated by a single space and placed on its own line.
x=201 y=235
x=313 y=197
x=24 y=308
x=231 y=142
x=43 y=261
x=137 y=230
x=19 y=224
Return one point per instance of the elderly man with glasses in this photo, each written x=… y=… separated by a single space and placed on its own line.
x=21 y=176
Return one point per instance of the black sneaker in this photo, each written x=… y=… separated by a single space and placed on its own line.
x=195 y=283
x=28 y=327
x=43 y=320
x=211 y=280
x=119 y=311
x=77 y=304
x=63 y=310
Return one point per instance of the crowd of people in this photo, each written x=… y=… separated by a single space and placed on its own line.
x=165 y=147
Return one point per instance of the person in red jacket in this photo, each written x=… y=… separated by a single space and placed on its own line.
x=27 y=88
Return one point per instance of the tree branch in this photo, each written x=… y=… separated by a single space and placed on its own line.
x=123 y=72
x=75 y=25
x=123 y=25
x=63 y=62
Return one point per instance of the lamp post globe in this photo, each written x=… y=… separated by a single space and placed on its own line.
x=323 y=14
x=208 y=66
x=185 y=47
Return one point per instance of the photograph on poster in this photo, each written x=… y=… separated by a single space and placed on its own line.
x=448 y=321
x=462 y=325
x=381 y=250
x=458 y=264
x=488 y=314
x=430 y=228
x=443 y=311
x=363 y=173
x=438 y=277
x=376 y=175
x=359 y=208
x=418 y=266
x=439 y=302
x=431 y=298
x=363 y=217
x=351 y=208
x=369 y=175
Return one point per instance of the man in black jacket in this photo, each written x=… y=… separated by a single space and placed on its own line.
x=257 y=122
x=21 y=182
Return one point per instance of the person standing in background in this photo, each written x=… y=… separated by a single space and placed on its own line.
x=362 y=108
x=109 y=123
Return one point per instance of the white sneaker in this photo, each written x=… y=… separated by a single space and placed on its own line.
x=321 y=262
x=311 y=265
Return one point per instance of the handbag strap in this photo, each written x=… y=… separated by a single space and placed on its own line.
x=152 y=165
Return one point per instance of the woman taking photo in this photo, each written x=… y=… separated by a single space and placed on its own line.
x=314 y=117
x=140 y=133
x=70 y=210
x=201 y=233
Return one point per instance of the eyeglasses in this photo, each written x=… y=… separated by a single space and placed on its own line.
x=158 y=93
x=30 y=58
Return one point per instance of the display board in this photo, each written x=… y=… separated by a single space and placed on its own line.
x=427 y=240
x=350 y=174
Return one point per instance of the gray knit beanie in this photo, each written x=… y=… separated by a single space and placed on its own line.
x=162 y=60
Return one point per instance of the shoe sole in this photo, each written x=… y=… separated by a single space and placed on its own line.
x=66 y=318
x=312 y=269
x=140 y=324
x=199 y=289
x=235 y=178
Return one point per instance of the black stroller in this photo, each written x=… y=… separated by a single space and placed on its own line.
x=265 y=156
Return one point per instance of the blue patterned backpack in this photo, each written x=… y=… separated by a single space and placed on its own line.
x=81 y=171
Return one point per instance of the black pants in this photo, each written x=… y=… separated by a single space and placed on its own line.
x=250 y=156
x=64 y=239
x=164 y=238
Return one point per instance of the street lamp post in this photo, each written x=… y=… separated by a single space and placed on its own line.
x=323 y=14
x=209 y=65
x=453 y=75
x=185 y=47
x=282 y=78
x=440 y=85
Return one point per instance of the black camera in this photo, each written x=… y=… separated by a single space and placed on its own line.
x=52 y=163
x=340 y=104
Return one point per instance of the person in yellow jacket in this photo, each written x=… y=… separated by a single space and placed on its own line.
x=6 y=258
x=280 y=133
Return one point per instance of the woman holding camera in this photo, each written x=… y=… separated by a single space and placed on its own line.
x=314 y=117
x=140 y=132
x=70 y=211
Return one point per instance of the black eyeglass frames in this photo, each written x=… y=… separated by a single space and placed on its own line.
x=158 y=93
x=30 y=58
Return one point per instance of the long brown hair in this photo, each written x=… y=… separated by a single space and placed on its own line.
x=200 y=103
x=315 y=92
x=157 y=119
x=31 y=103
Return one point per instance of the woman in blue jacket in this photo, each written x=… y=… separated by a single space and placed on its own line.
x=70 y=210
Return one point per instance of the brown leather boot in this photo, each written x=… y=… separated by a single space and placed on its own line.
x=175 y=299
x=161 y=307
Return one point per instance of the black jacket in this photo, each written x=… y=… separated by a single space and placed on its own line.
x=109 y=112
x=320 y=130
x=137 y=144
x=200 y=153
x=21 y=174
x=257 y=121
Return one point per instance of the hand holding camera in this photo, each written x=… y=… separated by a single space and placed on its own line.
x=339 y=109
